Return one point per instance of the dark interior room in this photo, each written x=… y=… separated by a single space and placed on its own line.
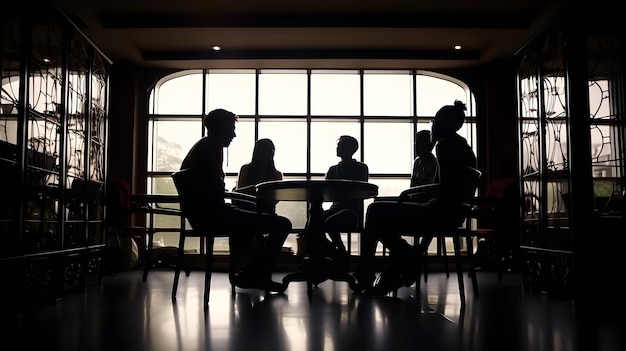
x=102 y=101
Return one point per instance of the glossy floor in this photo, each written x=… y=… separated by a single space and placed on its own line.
x=123 y=313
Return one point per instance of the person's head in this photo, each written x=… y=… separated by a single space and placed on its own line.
x=221 y=124
x=447 y=121
x=346 y=146
x=423 y=143
x=263 y=153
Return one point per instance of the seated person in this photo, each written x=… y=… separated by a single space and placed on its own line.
x=246 y=228
x=425 y=163
x=385 y=221
x=260 y=169
x=345 y=216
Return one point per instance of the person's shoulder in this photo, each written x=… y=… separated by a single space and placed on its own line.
x=207 y=143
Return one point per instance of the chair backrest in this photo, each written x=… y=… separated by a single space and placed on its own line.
x=472 y=178
x=192 y=194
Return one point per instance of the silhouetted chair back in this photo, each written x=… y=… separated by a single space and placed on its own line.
x=193 y=194
x=456 y=227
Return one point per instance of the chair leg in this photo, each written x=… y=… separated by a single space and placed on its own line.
x=208 y=267
x=148 y=256
x=472 y=264
x=444 y=252
x=459 y=266
x=233 y=268
x=423 y=249
x=179 y=263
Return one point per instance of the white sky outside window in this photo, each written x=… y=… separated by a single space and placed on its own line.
x=335 y=99
x=387 y=94
x=432 y=93
x=232 y=90
x=283 y=93
x=335 y=94
x=289 y=139
x=181 y=96
x=389 y=147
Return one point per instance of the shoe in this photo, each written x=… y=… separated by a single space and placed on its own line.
x=386 y=283
x=246 y=280
x=363 y=282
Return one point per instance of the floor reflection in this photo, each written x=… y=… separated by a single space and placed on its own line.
x=126 y=314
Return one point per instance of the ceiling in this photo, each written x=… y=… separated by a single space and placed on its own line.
x=309 y=33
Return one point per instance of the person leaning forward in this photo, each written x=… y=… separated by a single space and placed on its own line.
x=261 y=234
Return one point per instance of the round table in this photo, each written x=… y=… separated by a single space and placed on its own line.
x=316 y=266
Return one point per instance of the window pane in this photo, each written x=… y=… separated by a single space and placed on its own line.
x=283 y=93
x=230 y=183
x=180 y=95
x=171 y=140
x=389 y=187
x=296 y=211
x=233 y=90
x=240 y=150
x=388 y=147
x=432 y=93
x=335 y=93
x=290 y=140
x=387 y=94
x=324 y=136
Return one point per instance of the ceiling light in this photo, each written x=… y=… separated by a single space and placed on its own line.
x=216 y=48
x=457 y=47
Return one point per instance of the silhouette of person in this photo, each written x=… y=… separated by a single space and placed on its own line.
x=344 y=216
x=244 y=226
x=260 y=169
x=425 y=163
x=386 y=220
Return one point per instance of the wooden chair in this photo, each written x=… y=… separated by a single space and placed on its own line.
x=188 y=183
x=425 y=232
x=151 y=209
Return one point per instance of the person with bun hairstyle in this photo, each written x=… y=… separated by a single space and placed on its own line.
x=386 y=221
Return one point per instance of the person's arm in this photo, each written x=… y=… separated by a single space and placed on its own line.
x=365 y=173
x=331 y=173
x=420 y=193
x=279 y=175
x=414 y=173
x=243 y=178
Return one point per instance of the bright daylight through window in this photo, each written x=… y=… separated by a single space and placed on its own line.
x=303 y=112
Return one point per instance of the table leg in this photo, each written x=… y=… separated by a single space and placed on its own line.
x=317 y=267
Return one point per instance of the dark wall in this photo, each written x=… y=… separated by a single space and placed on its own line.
x=122 y=106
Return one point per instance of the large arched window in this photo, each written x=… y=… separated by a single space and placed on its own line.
x=304 y=111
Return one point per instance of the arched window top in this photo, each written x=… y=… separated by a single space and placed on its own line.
x=285 y=92
x=179 y=93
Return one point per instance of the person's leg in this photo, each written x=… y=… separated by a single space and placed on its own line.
x=386 y=222
x=242 y=223
x=339 y=221
x=336 y=222
x=365 y=271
